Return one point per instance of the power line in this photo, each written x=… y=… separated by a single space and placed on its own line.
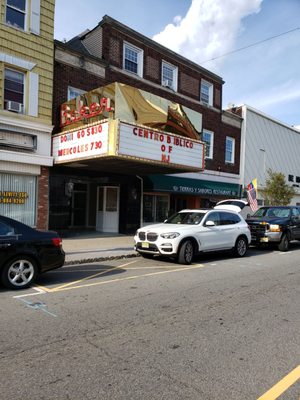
x=250 y=45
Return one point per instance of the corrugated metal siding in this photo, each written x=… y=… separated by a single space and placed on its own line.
x=269 y=145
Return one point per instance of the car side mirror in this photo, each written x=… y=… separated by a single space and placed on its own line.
x=210 y=223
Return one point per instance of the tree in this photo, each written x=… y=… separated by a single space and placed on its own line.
x=277 y=191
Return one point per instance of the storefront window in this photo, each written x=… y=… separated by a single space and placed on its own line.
x=18 y=197
x=155 y=208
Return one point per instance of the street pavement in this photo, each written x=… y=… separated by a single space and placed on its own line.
x=95 y=246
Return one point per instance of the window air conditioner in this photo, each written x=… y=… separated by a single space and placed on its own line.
x=167 y=83
x=14 y=106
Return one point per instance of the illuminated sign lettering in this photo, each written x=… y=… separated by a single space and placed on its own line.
x=70 y=116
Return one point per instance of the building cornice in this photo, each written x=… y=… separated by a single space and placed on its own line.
x=25 y=124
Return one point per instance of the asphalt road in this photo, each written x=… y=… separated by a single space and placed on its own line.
x=135 y=329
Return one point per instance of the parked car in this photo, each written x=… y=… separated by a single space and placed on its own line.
x=25 y=252
x=277 y=225
x=239 y=205
x=190 y=232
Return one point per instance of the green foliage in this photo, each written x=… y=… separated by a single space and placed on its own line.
x=277 y=191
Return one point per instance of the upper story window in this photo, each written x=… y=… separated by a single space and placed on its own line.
x=73 y=92
x=16 y=13
x=133 y=59
x=24 y=15
x=169 y=75
x=229 y=150
x=208 y=139
x=14 y=82
x=206 y=92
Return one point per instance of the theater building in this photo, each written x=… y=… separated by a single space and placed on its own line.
x=139 y=133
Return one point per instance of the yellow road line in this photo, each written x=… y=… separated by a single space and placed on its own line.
x=91 y=276
x=64 y=288
x=282 y=385
x=44 y=288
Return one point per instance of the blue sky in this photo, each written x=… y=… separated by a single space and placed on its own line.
x=265 y=76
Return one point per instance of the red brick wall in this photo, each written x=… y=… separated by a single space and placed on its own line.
x=43 y=199
x=188 y=78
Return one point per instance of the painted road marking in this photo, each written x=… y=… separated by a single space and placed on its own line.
x=37 y=289
x=282 y=385
x=91 y=276
x=64 y=287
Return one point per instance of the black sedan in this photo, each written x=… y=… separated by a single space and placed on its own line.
x=26 y=252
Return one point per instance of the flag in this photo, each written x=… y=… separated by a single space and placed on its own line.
x=251 y=194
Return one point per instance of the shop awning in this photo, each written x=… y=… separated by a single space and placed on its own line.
x=188 y=186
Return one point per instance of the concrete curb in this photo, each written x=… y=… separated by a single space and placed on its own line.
x=97 y=259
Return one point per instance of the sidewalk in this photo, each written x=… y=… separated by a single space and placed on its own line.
x=95 y=246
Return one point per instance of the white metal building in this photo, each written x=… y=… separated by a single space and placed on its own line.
x=267 y=143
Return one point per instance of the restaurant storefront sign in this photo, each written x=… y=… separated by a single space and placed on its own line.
x=188 y=186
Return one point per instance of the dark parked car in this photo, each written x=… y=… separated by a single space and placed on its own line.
x=278 y=225
x=26 y=252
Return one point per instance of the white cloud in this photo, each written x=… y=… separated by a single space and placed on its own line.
x=208 y=30
x=276 y=95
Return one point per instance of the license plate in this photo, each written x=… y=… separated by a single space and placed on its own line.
x=145 y=245
x=264 y=240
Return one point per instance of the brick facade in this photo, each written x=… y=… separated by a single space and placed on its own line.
x=189 y=80
x=43 y=199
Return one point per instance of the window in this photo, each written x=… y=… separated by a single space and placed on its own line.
x=169 y=75
x=206 y=93
x=133 y=59
x=16 y=13
x=229 y=150
x=229 y=218
x=214 y=217
x=13 y=90
x=20 y=202
x=155 y=208
x=73 y=92
x=208 y=139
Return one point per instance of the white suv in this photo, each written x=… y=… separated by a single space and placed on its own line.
x=190 y=232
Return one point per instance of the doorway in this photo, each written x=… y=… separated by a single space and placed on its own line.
x=79 y=205
x=107 y=218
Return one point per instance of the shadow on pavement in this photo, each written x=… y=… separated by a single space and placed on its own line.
x=77 y=273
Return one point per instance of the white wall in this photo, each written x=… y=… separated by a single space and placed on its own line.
x=268 y=143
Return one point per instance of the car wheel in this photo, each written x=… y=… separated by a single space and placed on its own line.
x=284 y=243
x=146 y=255
x=241 y=246
x=186 y=253
x=19 y=273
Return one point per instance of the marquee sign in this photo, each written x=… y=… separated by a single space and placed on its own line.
x=131 y=142
x=88 y=142
x=144 y=143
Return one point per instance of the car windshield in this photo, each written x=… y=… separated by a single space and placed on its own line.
x=189 y=217
x=280 y=212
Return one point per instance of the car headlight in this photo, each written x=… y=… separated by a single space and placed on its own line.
x=274 y=228
x=170 y=235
